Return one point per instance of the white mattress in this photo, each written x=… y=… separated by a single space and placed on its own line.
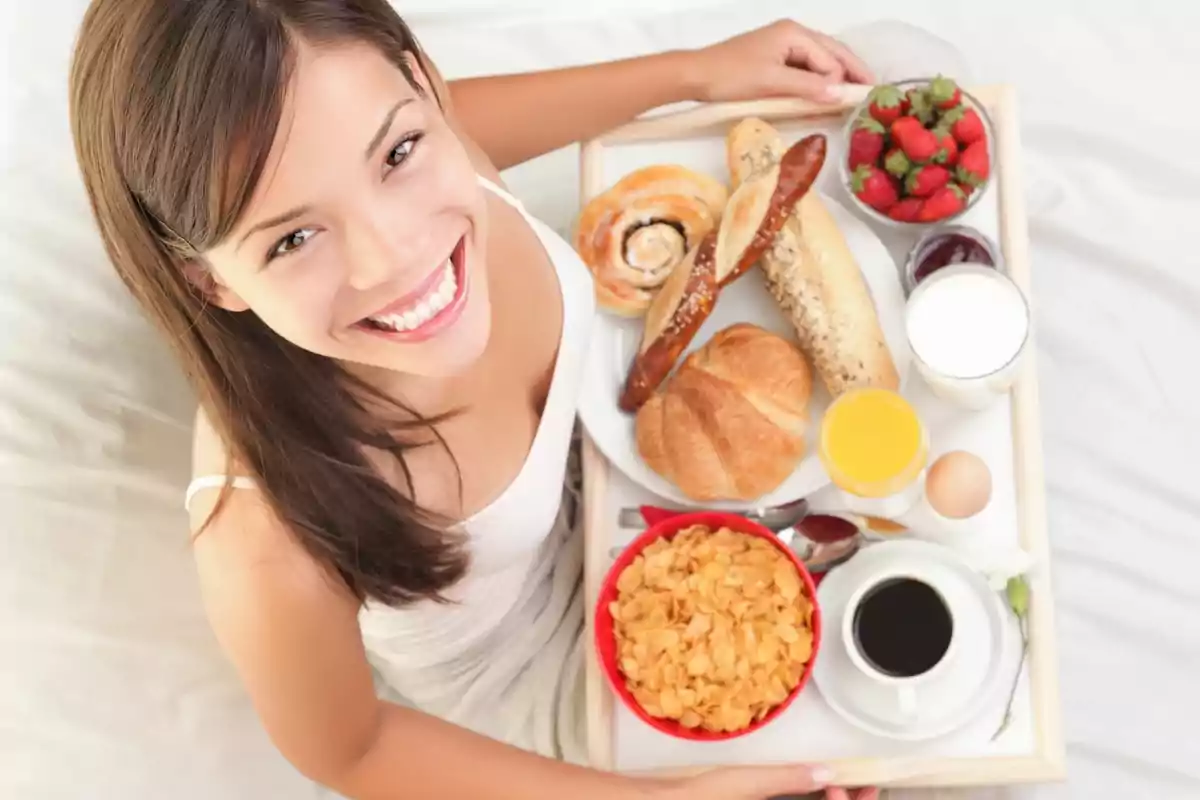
x=110 y=684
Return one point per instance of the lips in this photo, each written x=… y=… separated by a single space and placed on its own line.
x=433 y=305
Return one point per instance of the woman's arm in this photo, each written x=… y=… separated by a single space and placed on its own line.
x=291 y=632
x=514 y=118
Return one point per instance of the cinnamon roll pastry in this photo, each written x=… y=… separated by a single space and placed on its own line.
x=634 y=234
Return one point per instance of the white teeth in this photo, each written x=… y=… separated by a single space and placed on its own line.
x=426 y=308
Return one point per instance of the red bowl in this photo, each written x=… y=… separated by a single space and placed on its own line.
x=606 y=644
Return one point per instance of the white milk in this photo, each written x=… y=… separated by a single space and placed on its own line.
x=967 y=326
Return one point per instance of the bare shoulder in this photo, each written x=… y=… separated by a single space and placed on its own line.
x=209 y=454
x=243 y=529
x=211 y=459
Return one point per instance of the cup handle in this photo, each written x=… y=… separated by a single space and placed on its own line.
x=907 y=698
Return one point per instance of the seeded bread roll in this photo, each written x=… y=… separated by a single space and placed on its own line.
x=813 y=275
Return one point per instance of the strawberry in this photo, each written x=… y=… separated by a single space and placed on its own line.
x=873 y=187
x=866 y=142
x=917 y=143
x=896 y=163
x=973 y=165
x=965 y=125
x=907 y=210
x=944 y=93
x=885 y=104
x=919 y=105
x=924 y=181
x=945 y=202
x=947 y=153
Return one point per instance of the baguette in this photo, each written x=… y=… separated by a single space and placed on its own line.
x=749 y=224
x=813 y=276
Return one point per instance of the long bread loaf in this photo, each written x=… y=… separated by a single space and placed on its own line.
x=813 y=275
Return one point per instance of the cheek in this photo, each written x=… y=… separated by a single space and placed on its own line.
x=452 y=178
x=299 y=306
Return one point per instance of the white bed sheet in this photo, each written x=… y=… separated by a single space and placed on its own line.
x=110 y=684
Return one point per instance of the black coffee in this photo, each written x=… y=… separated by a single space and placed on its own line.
x=902 y=627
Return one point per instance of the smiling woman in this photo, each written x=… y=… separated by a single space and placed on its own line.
x=386 y=246
x=361 y=309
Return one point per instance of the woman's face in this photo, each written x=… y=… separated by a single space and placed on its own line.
x=364 y=240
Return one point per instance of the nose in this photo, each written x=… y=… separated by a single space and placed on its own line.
x=381 y=247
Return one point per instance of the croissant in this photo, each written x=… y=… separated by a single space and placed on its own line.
x=634 y=234
x=730 y=424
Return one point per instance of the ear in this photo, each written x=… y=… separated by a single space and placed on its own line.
x=208 y=284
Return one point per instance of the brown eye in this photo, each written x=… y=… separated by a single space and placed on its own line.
x=402 y=150
x=290 y=243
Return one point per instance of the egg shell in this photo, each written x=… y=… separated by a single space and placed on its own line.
x=958 y=485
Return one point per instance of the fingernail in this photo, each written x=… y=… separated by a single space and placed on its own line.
x=821 y=775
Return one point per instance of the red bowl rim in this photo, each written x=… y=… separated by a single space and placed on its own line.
x=605 y=644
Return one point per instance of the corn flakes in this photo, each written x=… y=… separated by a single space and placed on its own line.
x=713 y=628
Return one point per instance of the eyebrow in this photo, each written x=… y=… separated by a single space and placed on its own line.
x=385 y=127
x=288 y=216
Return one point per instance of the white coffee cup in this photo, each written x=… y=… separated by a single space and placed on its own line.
x=904 y=692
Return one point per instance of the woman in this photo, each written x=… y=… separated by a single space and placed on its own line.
x=387 y=351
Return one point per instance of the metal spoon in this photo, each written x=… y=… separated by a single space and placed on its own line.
x=824 y=540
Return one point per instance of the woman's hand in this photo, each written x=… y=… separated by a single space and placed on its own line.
x=760 y=783
x=783 y=59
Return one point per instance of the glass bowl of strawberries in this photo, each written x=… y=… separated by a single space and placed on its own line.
x=917 y=152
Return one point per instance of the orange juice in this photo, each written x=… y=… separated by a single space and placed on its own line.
x=873 y=444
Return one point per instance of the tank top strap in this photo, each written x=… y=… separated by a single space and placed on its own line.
x=505 y=196
x=215 y=482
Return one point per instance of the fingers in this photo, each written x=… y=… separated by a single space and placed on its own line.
x=806 y=51
x=755 y=783
x=838 y=793
x=796 y=82
x=856 y=70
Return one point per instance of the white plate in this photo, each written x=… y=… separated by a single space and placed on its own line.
x=959 y=696
x=615 y=340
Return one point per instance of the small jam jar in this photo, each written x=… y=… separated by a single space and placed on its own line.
x=945 y=246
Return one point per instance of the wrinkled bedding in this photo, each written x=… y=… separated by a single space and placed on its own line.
x=110 y=683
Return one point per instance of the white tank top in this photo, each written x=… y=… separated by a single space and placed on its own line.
x=504 y=658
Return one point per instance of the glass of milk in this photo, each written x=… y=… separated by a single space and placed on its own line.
x=968 y=327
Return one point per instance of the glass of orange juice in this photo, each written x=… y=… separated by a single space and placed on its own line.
x=875 y=449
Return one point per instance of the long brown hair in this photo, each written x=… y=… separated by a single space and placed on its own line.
x=174 y=109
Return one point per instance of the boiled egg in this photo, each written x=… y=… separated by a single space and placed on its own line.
x=958 y=485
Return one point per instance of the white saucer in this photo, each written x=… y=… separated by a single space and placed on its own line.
x=985 y=644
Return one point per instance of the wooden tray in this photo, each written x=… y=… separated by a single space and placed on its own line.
x=1040 y=755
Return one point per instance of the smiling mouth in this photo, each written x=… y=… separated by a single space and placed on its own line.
x=436 y=302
